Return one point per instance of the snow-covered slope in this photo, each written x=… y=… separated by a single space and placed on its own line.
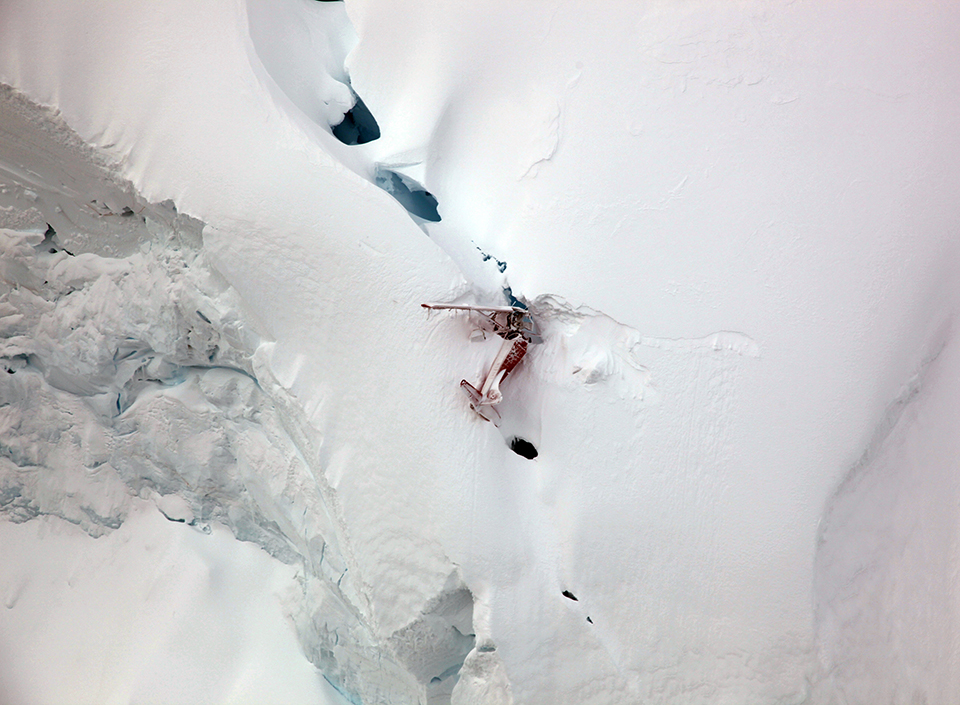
x=734 y=225
x=153 y=612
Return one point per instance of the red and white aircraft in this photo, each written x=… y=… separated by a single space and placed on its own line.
x=517 y=329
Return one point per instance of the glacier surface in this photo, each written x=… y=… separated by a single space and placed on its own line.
x=226 y=424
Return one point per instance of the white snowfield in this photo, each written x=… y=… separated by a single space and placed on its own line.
x=235 y=463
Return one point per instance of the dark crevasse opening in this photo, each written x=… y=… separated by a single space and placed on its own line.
x=501 y=265
x=411 y=195
x=50 y=243
x=358 y=125
x=523 y=448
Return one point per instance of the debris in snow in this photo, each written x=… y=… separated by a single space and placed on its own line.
x=516 y=327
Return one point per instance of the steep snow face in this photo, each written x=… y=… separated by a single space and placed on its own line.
x=886 y=588
x=736 y=229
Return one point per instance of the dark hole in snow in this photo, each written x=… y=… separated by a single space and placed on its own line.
x=127 y=212
x=590 y=620
x=523 y=447
x=15 y=363
x=501 y=265
x=411 y=195
x=569 y=595
x=358 y=125
x=50 y=242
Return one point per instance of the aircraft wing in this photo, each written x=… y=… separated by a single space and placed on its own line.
x=467 y=307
